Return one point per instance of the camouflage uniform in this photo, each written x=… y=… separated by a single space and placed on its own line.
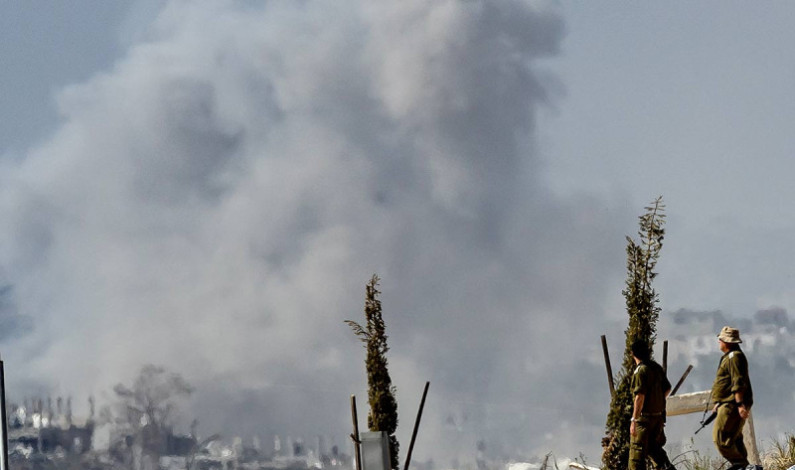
x=732 y=376
x=650 y=380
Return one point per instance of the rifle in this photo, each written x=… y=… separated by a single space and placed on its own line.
x=705 y=422
x=711 y=418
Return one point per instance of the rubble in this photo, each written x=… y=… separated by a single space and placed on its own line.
x=41 y=438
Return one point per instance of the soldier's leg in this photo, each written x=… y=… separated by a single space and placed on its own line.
x=739 y=442
x=727 y=430
x=656 y=451
x=638 y=447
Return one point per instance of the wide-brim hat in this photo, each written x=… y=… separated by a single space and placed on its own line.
x=729 y=335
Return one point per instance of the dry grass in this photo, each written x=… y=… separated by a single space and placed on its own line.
x=695 y=460
x=780 y=456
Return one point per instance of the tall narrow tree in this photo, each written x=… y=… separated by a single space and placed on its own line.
x=380 y=391
x=643 y=309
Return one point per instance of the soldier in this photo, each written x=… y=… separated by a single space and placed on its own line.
x=733 y=398
x=650 y=388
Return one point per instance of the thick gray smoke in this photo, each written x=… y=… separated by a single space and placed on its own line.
x=216 y=202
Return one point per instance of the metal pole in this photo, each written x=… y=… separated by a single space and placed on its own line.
x=665 y=357
x=416 y=426
x=684 y=376
x=609 y=369
x=3 y=417
x=357 y=454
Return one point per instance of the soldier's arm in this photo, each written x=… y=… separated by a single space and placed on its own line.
x=638 y=405
x=738 y=370
x=639 y=393
x=739 y=376
x=742 y=408
x=738 y=397
x=636 y=408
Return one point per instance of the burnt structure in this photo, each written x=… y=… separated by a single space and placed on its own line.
x=38 y=429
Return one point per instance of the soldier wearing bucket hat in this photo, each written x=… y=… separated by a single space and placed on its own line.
x=733 y=398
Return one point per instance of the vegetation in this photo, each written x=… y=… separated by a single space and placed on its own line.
x=643 y=310
x=153 y=396
x=380 y=391
x=545 y=464
x=695 y=460
x=148 y=406
x=702 y=462
x=780 y=456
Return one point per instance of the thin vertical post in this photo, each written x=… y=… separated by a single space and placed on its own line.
x=416 y=426
x=3 y=417
x=609 y=368
x=357 y=453
x=665 y=357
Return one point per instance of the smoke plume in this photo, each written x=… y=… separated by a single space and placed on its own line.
x=216 y=201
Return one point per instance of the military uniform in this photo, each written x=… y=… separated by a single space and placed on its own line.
x=649 y=438
x=732 y=377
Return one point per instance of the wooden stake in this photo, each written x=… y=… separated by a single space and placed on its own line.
x=357 y=453
x=749 y=438
x=684 y=376
x=609 y=369
x=416 y=426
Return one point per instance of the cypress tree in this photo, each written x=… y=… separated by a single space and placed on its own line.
x=380 y=391
x=643 y=310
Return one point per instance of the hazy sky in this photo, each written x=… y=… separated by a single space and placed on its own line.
x=209 y=186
